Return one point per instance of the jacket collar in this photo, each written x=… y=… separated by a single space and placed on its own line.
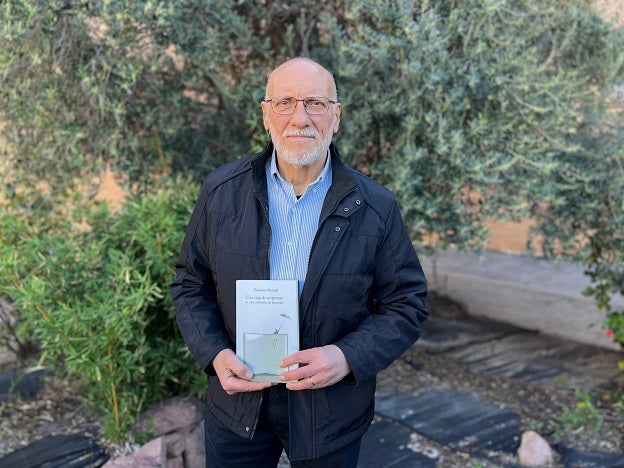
x=342 y=180
x=258 y=174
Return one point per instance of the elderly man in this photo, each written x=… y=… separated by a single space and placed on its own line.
x=295 y=211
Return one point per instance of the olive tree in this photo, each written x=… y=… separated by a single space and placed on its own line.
x=492 y=110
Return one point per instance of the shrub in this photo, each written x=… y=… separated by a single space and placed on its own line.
x=94 y=292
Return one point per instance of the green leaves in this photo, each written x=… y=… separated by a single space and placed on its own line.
x=491 y=110
x=93 y=290
x=584 y=415
x=141 y=86
x=475 y=98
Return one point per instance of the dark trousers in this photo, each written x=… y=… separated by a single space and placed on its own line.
x=225 y=449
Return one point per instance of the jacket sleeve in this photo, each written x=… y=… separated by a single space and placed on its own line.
x=194 y=295
x=399 y=291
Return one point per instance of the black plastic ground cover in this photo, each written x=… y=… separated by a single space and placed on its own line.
x=461 y=420
x=58 y=451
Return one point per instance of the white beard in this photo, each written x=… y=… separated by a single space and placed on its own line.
x=300 y=157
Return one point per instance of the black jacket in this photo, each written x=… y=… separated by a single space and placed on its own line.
x=364 y=292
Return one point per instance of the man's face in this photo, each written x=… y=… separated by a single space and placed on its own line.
x=301 y=139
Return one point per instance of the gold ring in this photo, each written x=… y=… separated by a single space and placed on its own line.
x=311 y=381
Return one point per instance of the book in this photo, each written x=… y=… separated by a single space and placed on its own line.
x=267 y=325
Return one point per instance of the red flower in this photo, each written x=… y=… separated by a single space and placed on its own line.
x=609 y=333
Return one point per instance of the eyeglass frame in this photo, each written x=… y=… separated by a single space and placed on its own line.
x=305 y=107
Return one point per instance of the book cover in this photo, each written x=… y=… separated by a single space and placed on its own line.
x=267 y=325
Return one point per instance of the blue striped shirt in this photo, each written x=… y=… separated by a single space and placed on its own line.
x=294 y=221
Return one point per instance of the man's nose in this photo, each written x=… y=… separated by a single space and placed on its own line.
x=300 y=116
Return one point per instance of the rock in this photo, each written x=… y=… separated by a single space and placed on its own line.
x=534 y=450
x=176 y=444
x=154 y=449
x=178 y=426
x=170 y=416
x=195 y=454
x=152 y=454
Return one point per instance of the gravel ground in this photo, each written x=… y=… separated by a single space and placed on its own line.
x=539 y=409
x=58 y=409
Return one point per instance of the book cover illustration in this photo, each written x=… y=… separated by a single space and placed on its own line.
x=267 y=325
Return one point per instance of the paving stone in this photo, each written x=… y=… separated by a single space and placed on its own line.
x=461 y=420
x=542 y=360
x=387 y=444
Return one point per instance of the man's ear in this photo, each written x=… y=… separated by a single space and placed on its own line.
x=265 y=117
x=337 y=122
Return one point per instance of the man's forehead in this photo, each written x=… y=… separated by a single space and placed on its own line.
x=291 y=86
x=300 y=63
x=300 y=76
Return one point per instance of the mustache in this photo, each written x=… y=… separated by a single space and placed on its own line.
x=301 y=132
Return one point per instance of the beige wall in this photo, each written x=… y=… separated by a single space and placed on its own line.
x=612 y=10
x=509 y=237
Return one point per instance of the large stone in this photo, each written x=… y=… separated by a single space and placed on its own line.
x=178 y=427
x=171 y=415
x=534 y=450
x=176 y=443
x=195 y=454
x=151 y=455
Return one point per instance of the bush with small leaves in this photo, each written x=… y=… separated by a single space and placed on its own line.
x=94 y=292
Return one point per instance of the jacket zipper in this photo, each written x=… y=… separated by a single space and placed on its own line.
x=265 y=209
x=255 y=425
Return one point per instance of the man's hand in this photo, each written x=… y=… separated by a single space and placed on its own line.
x=318 y=367
x=234 y=375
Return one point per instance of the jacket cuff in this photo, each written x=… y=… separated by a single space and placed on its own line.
x=358 y=372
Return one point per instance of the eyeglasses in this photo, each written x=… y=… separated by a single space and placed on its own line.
x=313 y=105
